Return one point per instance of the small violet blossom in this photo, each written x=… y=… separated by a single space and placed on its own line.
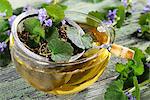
x=139 y=30
x=8 y=32
x=147 y=7
x=48 y=1
x=108 y=23
x=3 y=45
x=112 y=15
x=48 y=23
x=125 y=3
x=42 y=15
x=3 y=14
x=11 y=19
x=148 y=65
x=63 y=22
x=130 y=97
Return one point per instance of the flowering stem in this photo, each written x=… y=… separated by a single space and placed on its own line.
x=142 y=86
x=6 y=40
x=137 y=89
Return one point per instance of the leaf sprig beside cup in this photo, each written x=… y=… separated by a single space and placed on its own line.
x=115 y=15
x=53 y=36
x=144 y=23
x=6 y=20
x=130 y=74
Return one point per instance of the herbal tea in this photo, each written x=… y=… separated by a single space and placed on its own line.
x=52 y=51
x=65 y=78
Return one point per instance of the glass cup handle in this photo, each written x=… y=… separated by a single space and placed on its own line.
x=119 y=50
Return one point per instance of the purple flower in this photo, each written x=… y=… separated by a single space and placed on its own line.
x=139 y=30
x=3 y=14
x=8 y=32
x=146 y=9
x=125 y=3
x=112 y=14
x=63 y=22
x=42 y=15
x=11 y=19
x=130 y=97
x=48 y=23
x=148 y=65
x=3 y=45
x=109 y=22
x=48 y=1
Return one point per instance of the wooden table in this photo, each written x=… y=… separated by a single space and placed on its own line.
x=13 y=87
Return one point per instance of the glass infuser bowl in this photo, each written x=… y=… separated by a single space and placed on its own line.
x=64 y=78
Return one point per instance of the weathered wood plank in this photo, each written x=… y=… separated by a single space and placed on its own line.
x=12 y=86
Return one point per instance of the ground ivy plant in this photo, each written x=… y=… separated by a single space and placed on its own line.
x=6 y=20
x=54 y=36
x=130 y=75
x=114 y=16
x=144 y=22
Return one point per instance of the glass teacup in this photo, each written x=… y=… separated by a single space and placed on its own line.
x=71 y=77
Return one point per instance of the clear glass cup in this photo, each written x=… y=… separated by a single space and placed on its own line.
x=65 y=78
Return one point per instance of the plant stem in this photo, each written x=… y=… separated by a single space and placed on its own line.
x=6 y=40
x=142 y=86
x=137 y=89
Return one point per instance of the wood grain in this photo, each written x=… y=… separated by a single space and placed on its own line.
x=13 y=87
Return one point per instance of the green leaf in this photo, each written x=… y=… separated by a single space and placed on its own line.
x=39 y=31
x=56 y=11
x=99 y=15
x=60 y=49
x=87 y=41
x=74 y=35
x=144 y=22
x=60 y=57
x=4 y=25
x=31 y=23
x=6 y=7
x=37 y=39
x=18 y=11
x=144 y=19
x=148 y=50
x=120 y=67
x=3 y=37
x=52 y=33
x=33 y=26
x=33 y=42
x=5 y=58
x=59 y=46
x=137 y=89
x=138 y=69
x=145 y=28
x=121 y=15
x=139 y=55
x=115 y=92
x=139 y=66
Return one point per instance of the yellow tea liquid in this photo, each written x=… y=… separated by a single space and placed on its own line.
x=67 y=79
